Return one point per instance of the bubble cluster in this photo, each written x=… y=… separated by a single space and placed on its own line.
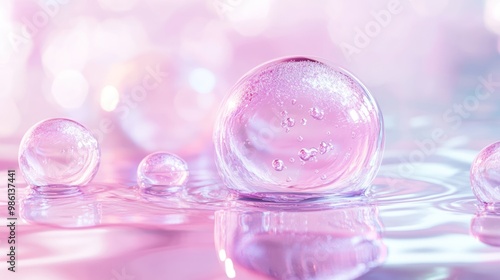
x=59 y=152
x=162 y=172
x=485 y=175
x=305 y=109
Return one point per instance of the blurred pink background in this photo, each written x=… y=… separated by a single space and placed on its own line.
x=151 y=74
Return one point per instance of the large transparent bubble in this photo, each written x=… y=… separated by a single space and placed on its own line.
x=298 y=127
x=59 y=152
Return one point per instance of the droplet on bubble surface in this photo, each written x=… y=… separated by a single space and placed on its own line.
x=323 y=148
x=59 y=152
x=317 y=113
x=289 y=122
x=278 y=165
x=328 y=99
x=485 y=175
x=162 y=172
x=307 y=154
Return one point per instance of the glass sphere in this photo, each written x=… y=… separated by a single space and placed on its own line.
x=485 y=175
x=298 y=127
x=162 y=172
x=59 y=152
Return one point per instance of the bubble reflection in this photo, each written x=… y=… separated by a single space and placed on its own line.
x=258 y=243
x=485 y=227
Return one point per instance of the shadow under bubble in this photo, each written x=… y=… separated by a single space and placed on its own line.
x=485 y=226
x=324 y=243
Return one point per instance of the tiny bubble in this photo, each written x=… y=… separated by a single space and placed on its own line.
x=278 y=165
x=323 y=147
x=317 y=113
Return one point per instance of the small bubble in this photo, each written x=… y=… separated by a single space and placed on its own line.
x=300 y=138
x=280 y=103
x=323 y=177
x=353 y=135
x=278 y=165
x=328 y=133
x=162 y=169
x=294 y=101
x=301 y=106
x=317 y=113
x=289 y=179
x=292 y=159
x=304 y=121
x=316 y=171
x=307 y=154
x=284 y=113
x=302 y=162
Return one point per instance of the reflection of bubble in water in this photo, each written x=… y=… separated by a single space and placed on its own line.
x=485 y=174
x=61 y=206
x=58 y=152
x=297 y=244
x=321 y=98
x=486 y=227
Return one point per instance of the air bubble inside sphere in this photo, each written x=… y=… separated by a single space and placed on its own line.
x=485 y=175
x=162 y=172
x=296 y=128
x=59 y=152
